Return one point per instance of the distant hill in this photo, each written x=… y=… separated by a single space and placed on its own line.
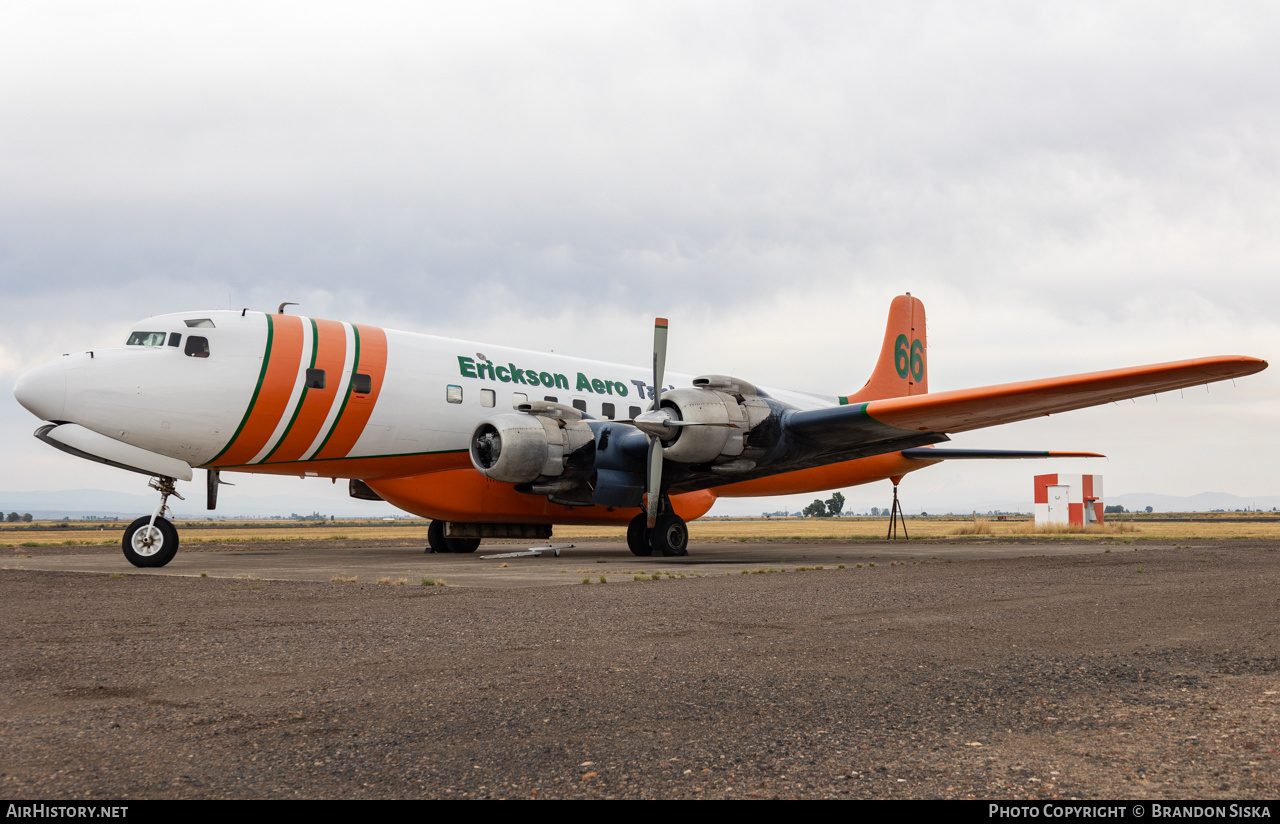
x=1204 y=502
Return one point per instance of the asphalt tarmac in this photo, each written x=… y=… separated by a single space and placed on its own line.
x=946 y=670
x=322 y=560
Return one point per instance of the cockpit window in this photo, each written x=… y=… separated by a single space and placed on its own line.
x=197 y=347
x=175 y=338
x=199 y=323
x=146 y=339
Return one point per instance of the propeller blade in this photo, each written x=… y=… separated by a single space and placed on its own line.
x=653 y=485
x=659 y=359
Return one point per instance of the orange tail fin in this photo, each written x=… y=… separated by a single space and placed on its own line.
x=903 y=367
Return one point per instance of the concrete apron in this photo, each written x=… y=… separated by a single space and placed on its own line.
x=593 y=558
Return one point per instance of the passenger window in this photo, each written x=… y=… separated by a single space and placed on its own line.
x=175 y=338
x=606 y=411
x=453 y=394
x=361 y=384
x=488 y=397
x=315 y=379
x=551 y=398
x=579 y=404
x=197 y=347
x=518 y=398
x=146 y=339
x=634 y=412
x=199 y=323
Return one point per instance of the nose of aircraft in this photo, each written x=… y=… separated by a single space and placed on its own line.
x=43 y=390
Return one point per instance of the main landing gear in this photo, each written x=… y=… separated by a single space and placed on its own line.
x=153 y=541
x=669 y=537
x=437 y=542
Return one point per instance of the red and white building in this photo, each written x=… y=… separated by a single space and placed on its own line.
x=1070 y=500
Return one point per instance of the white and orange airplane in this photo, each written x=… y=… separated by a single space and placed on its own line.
x=488 y=441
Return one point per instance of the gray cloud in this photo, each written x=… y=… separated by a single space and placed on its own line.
x=1068 y=185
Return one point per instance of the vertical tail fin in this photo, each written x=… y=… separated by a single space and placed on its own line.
x=903 y=367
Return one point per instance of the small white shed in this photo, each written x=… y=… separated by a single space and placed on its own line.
x=1070 y=500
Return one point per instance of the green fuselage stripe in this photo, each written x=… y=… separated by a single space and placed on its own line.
x=315 y=348
x=262 y=375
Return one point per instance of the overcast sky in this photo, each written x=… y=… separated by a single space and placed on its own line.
x=1068 y=187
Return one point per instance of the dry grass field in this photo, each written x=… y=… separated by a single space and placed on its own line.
x=197 y=532
x=45 y=533
x=876 y=528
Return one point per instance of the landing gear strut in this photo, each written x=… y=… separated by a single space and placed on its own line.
x=153 y=541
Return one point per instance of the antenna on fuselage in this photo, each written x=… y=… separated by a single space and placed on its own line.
x=280 y=311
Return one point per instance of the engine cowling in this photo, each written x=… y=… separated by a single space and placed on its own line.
x=714 y=399
x=549 y=441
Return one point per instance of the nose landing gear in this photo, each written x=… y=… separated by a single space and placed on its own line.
x=153 y=541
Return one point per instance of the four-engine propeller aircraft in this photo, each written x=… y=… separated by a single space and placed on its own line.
x=495 y=442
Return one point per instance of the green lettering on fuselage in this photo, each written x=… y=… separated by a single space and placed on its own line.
x=510 y=373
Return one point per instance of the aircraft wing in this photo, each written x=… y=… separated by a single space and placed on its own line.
x=966 y=409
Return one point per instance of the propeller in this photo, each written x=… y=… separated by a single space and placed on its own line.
x=653 y=485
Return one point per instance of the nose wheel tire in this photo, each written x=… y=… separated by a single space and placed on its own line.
x=670 y=536
x=148 y=545
x=638 y=536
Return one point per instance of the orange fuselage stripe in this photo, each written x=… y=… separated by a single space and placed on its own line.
x=372 y=362
x=330 y=355
x=284 y=359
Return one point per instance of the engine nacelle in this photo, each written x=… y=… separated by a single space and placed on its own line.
x=524 y=448
x=716 y=399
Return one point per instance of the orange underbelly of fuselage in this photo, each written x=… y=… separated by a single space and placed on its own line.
x=460 y=493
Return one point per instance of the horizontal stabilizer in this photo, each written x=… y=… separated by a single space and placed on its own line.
x=930 y=454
